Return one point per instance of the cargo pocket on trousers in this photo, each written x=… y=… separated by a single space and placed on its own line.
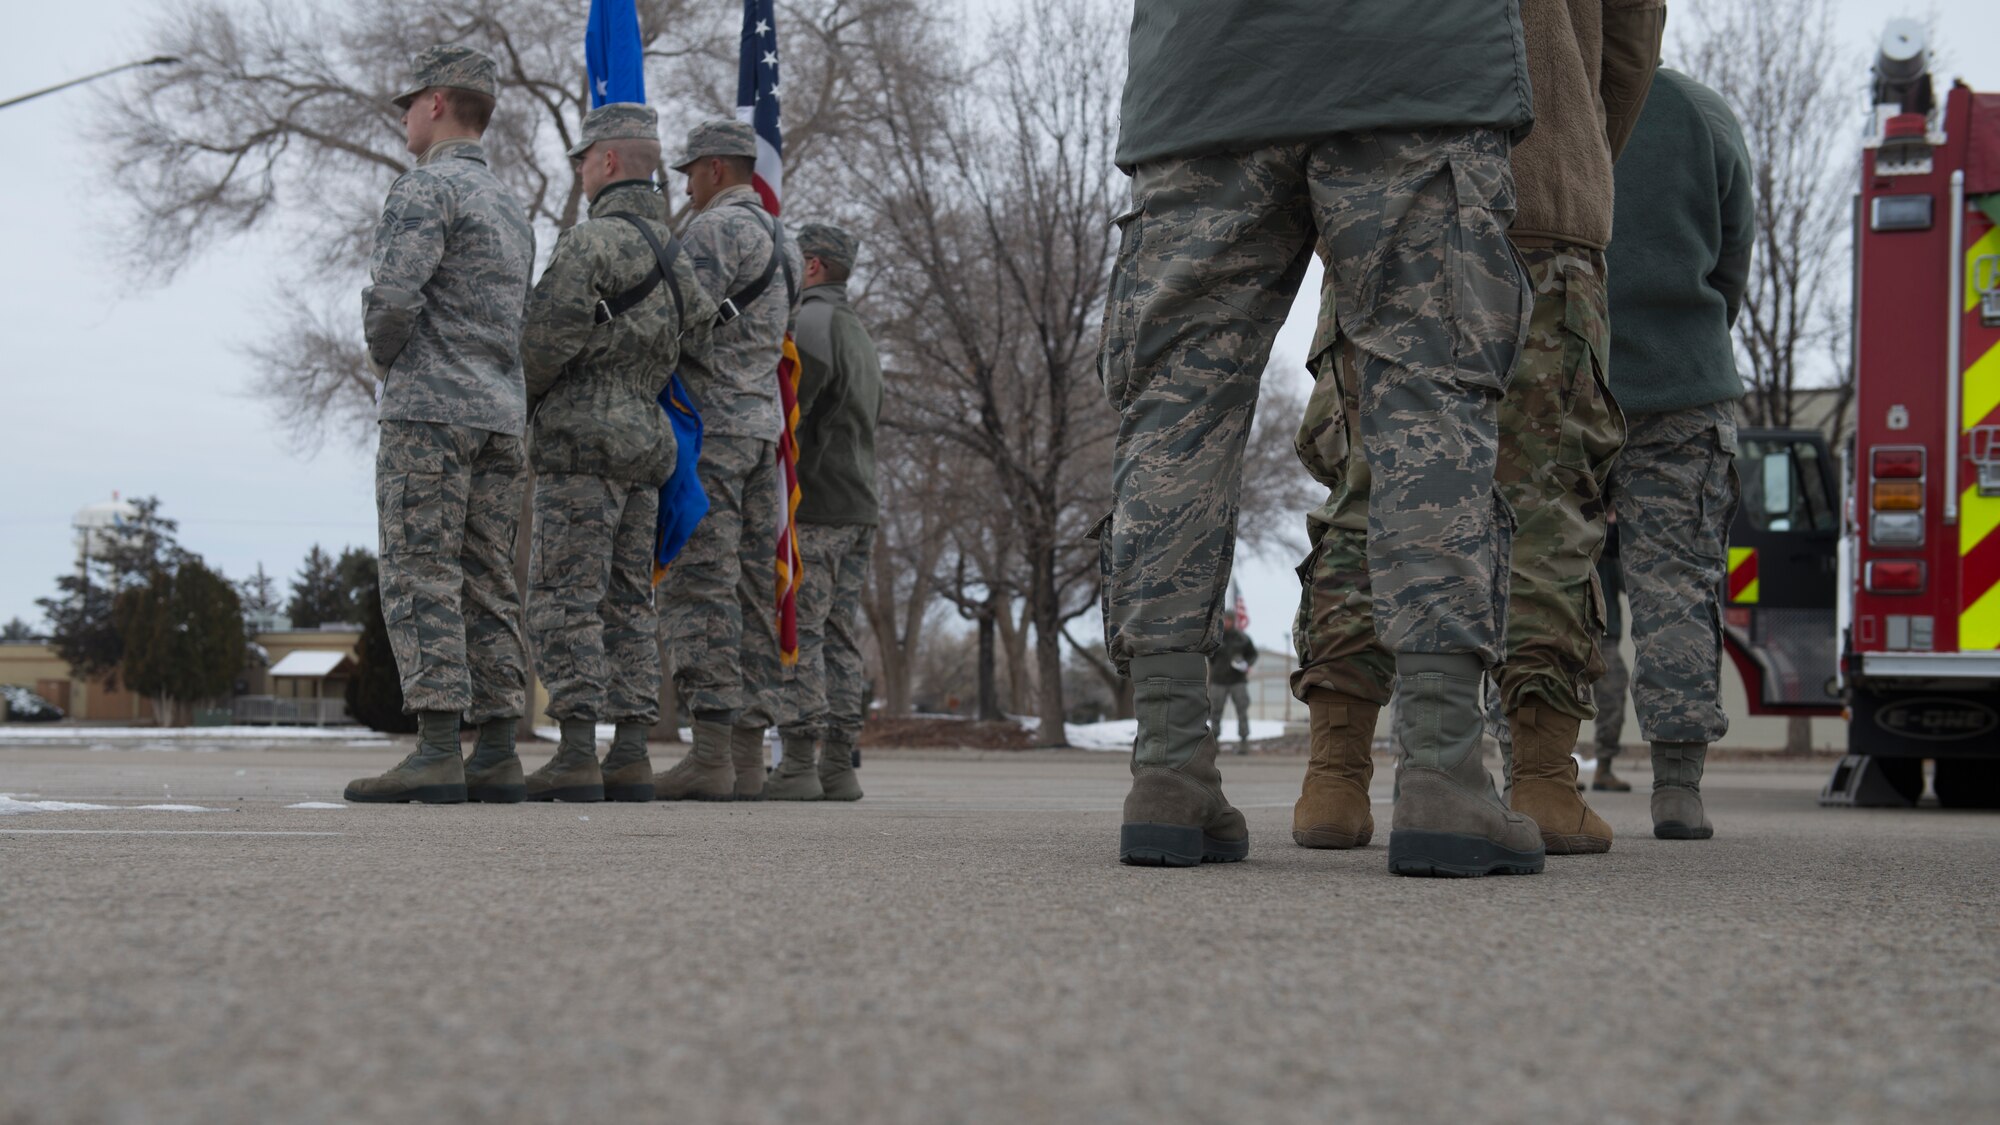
x=411 y=513
x=399 y=612
x=1593 y=426
x=1117 y=350
x=1490 y=299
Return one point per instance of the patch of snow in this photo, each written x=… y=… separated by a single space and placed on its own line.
x=308 y=663
x=608 y=731
x=10 y=804
x=316 y=805
x=1119 y=734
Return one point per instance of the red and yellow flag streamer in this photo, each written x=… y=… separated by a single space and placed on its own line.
x=791 y=567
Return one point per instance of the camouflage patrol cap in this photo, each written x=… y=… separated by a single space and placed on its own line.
x=454 y=67
x=618 y=121
x=828 y=243
x=718 y=138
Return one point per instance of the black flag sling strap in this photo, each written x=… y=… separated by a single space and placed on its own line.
x=734 y=304
x=663 y=270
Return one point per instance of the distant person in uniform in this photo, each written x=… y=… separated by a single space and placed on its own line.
x=1229 y=681
x=1686 y=223
x=442 y=315
x=840 y=399
x=719 y=613
x=606 y=326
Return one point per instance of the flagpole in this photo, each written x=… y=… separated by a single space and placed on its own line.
x=157 y=60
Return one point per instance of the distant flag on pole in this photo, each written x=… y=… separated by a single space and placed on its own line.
x=613 y=54
x=757 y=103
x=1240 y=608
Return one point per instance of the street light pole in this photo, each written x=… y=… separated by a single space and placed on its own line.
x=158 y=60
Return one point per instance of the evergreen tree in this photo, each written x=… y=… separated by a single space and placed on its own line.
x=83 y=616
x=357 y=573
x=17 y=630
x=183 y=635
x=375 y=694
x=317 y=596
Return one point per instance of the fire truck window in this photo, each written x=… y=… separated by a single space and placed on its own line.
x=1818 y=510
x=1784 y=487
x=1777 y=490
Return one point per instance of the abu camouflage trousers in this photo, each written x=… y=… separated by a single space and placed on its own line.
x=719 y=602
x=1609 y=695
x=448 y=503
x=1559 y=430
x=1675 y=489
x=590 y=605
x=1427 y=311
x=828 y=694
x=1220 y=696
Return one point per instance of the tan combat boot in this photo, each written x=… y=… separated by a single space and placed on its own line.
x=572 y=775
x=1605 y=781
x=746 y=756
x=705 y=773
x=1333 y=811
x=837 y=779
x=627 y=768
x=1176 y=814
x=433 y=774
x=493 y=773
x=1545 y=786
x=1448 y=821
x=797 y=777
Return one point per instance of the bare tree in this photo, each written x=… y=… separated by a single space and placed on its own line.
x=1782 y=70
x=990 y=200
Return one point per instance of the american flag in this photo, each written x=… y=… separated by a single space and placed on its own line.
x=757 y=103
x=1242 y=610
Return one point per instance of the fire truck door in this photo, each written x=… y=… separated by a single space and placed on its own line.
x=1779 y=620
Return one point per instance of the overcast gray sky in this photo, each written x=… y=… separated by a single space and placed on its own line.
x=106 y=387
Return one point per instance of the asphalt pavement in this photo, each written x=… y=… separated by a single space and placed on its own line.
x=961 y=946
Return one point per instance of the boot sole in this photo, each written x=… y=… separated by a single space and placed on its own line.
x=1456 y=855
x=1330 y=839
x=757 y=796
x=635 y=794
x=422 y=795
x=1174 y=845
x=1595 y=788
x=1574 y=845
x=1675 y=830
x=577 y=794
x=496 y=794
x=695 y=796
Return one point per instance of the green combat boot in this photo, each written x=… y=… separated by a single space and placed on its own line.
x=746 y=756
x=797 y=777
x=572 y=775
x=1677 y=811
x=433 y=774
x=1176 y=815
x=628 y=772
x=1447 y=819
x=705 y=773
x=493 y=773
x=837 y=779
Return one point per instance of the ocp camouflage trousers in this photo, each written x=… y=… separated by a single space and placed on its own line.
x=447 y=504
x=590 y=609
x=1675 y=489
x=718 y=611
x=1428 y=311
x=828 y=692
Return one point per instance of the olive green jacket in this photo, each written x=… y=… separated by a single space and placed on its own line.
x=840 y=399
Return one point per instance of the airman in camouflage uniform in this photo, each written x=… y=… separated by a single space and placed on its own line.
x=840 y=398
x=1401 y=179
x=1590 y=62
x=453 y=256
x=605 y=329
x=719 y=616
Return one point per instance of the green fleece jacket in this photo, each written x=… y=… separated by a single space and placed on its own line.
x=1685 y=220
x=1233 y=75
x=840 y=398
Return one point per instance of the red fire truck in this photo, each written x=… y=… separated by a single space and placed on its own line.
x=1914 y=567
